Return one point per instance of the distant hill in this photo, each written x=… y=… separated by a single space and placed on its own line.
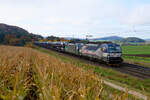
x=110 y=38
x=133 y=40
x=147 y=39
x=14 y=35
x=70 y=38
x=121 y=40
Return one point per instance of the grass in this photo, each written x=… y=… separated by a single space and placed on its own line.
x=143 y=61
x=111 y=75
x=28 y=74
x=136 y=49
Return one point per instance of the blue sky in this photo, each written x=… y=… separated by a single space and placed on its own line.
x=78 y=18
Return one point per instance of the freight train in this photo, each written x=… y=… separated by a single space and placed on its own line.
x=107 y=52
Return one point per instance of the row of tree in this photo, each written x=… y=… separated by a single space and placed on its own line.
x=21 y=40
x=58 y=39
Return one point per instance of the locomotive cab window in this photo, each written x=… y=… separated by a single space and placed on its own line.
x=114 y=48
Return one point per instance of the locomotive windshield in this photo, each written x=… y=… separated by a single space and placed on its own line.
x=114 y=48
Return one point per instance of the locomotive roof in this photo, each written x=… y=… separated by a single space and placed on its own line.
x=110 y=44
x=89 y=44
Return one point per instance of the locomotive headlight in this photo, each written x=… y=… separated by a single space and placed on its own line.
x=115 y=54
x=108 y=55
x=111 y=54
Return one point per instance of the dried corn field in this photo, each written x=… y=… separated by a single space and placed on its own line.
x=27 y=74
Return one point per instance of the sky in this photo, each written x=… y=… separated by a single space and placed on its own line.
x=78 y=18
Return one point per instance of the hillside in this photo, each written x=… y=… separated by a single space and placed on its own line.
x=133 y=40
x=14 y=35
x=7 y=29
x=110 y=38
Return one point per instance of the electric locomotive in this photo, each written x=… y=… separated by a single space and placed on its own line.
x=108 y=52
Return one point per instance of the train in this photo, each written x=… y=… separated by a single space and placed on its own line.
x=108 y=52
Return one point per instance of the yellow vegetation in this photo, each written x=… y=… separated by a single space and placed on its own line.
x=27 y=74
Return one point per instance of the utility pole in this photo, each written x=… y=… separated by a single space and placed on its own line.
x=88 y=36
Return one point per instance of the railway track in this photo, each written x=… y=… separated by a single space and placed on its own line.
x=134 y=70
x=138 y=71
x=126 y=68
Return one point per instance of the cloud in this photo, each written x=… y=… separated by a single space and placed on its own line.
x=139 y=15
x=97 y=17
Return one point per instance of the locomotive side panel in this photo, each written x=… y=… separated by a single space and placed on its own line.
x=92 y=51
x=71 y=48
